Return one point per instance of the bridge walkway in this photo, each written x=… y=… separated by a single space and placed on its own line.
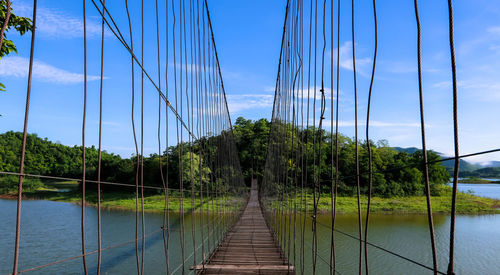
x=249 y=247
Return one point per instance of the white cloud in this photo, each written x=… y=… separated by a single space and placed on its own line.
x=374 y=123
x=191 y=67
x=484 y=90
x=18 y=67
x=238 y=103
x=269 y=89
x=56 y=23
x=494 y=30
x=442 y=84
x=346 y=59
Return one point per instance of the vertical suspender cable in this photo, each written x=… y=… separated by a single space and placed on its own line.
x=181 y=149
x=320 y=126
x=99 y=252
x=190 y=124
x=143 y=229
x=425 y=165
x=356 y=142
x=84 y=258
x=201 y=126
x=336 y=179
x=162 y=176
x=315 y=134
x=176 y=96
x=135 y=141
x=23 y=150
x=166 y=212
x=368 y=142
x=455 y=133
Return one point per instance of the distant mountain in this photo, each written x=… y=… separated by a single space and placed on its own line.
x=488 y=172
x=409 y=150
x=464 y=167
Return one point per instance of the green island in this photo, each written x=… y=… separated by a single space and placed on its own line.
x=398 y=179
x=473 y=180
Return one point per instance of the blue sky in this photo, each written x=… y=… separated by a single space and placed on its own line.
x=248 y=36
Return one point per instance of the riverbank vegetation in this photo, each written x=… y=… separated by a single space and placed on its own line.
x=398 y=184
x=68 y=192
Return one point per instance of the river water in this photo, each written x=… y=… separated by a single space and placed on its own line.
x=51 y=231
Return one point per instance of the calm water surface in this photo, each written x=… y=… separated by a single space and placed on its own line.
x=51 y=231
x=491 y=190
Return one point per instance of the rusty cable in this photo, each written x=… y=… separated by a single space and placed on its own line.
x=81 y=255
x=23 y=150
x=368 y=142
x=456 y=143
x=143 y=226
x=425 y=165
x=166 y=210
x=334 y=202
x=356 y=141
x=99 y=243
x=84 y=260
x=135 y=142
x=174 y=111
x=382 y=249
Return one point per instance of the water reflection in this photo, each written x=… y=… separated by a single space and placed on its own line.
x=51 y=231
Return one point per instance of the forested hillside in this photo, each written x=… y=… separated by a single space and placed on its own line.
x=466 y=168
x=396 y=173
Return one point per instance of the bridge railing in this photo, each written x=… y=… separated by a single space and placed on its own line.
x=302 y=168
x=176 y=104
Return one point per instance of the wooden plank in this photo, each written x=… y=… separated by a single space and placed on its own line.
x=237 y=268
x=248 y=248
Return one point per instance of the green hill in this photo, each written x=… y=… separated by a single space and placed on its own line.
x=466 y=169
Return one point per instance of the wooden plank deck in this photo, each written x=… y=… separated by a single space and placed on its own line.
x=249 y=247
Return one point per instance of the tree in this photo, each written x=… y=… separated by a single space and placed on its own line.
x=251 y=139
x=8 y=21
x=191 y=170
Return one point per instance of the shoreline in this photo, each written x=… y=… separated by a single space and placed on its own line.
x=467 y=204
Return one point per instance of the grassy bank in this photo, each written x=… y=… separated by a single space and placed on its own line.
x=68 y=192
x=466 y=204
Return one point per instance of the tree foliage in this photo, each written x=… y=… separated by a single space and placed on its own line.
x=395 y=173
x=20 y=24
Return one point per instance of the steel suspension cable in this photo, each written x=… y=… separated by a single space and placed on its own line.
x=84 y=259
x=360 y=225
x=334 y=202
x=314 y=136
x=143 y=224
x=382 y=249
x=23 y=150
x=117 y=34
x=368 y=142
x=99 y=241
x=456 y=143
x=182 y=53
x=166 y=210
x=136 y=146
x=425 y=165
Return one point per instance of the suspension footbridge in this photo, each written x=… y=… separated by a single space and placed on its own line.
x=221 y=225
